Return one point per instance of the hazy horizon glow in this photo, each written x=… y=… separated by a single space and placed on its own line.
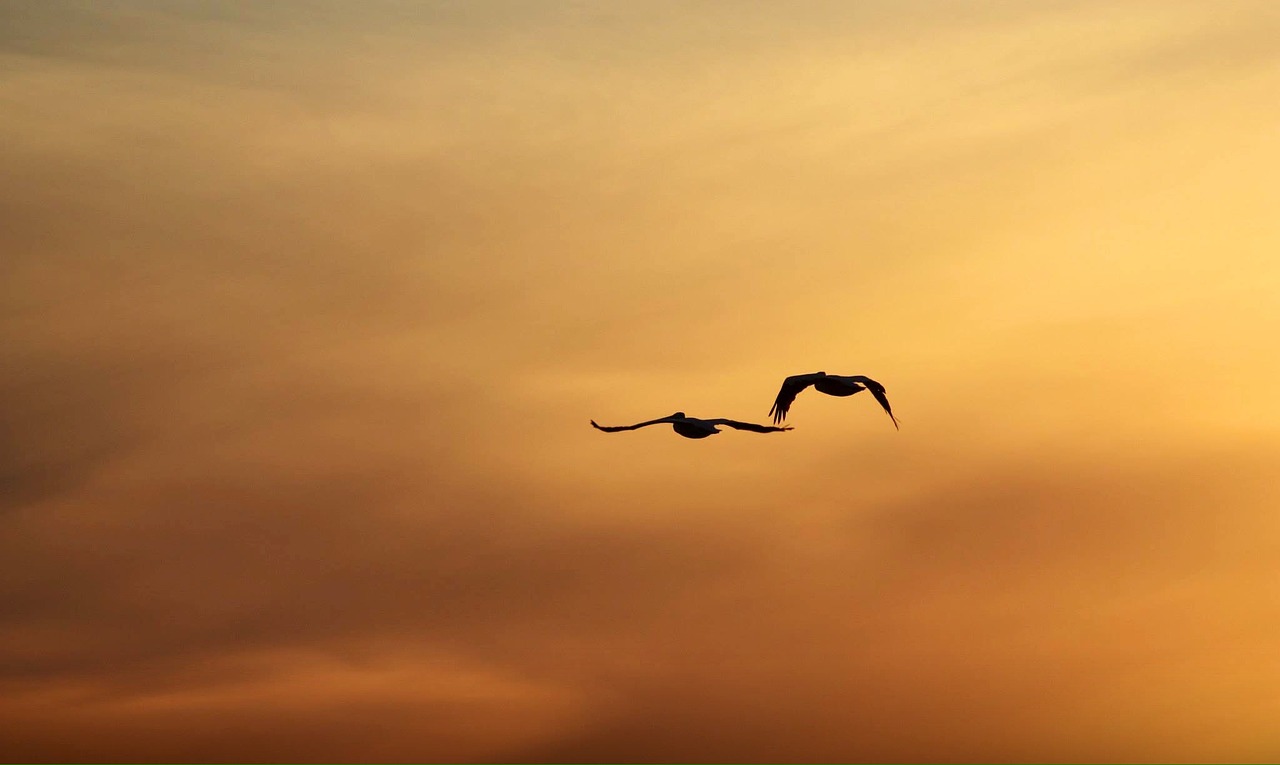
x=305 y=307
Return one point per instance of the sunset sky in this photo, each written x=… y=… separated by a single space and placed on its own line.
x=305 y=308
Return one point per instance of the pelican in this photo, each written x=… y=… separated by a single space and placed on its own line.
x=692 y=427
x=832 y=385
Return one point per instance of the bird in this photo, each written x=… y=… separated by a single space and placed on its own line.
x=693 y=427
x=832 y=385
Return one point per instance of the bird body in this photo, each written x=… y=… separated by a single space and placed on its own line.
x=693 y=427
x=831 y=385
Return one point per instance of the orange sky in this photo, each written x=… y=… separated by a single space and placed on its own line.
x=304 y=310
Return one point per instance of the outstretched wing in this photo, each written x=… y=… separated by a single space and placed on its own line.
x=877 y=390
x=791 y=388
x=751 y=426
x=616 y=428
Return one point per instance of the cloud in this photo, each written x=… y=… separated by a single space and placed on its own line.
x=833 y=635
x=985 y=622
x=303 y=326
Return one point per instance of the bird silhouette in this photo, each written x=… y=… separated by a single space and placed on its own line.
x=832 y=385
x=693 y=427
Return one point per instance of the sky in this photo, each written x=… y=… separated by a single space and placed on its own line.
x=305 y=308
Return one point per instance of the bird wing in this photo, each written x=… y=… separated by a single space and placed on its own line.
x=791 y=388
x=877 y=390
x=750 y=426
x=616 y=428
x=884 y=403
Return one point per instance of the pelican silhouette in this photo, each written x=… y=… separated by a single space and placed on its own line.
x=832 y=385
x=692 y=427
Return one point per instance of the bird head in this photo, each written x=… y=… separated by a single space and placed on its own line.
x=679 y=415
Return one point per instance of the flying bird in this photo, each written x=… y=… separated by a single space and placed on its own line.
x=692 y=427
x=832 y=385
